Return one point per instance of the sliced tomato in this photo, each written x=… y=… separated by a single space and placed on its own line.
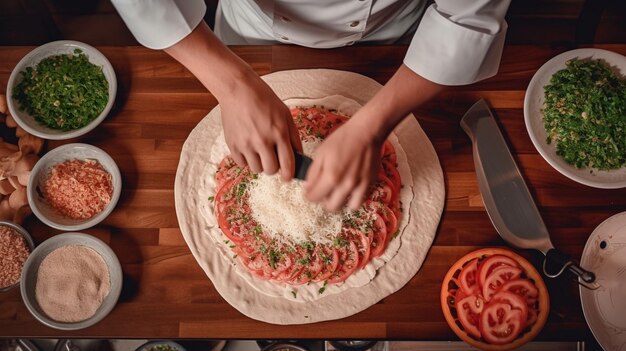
x=391 y=223
x=331 y=264
x=316 y=263
x=363 y=244
x=528 y=291
x=522 y=287
x=497 y=278
x=290 y=273
x=389 y=152
x=391 y=172
x=349 y=261
x=491 y=263
x=467 y=278
x=382 y=190
x=501 y=322
x=469 y=309
x=379 y=237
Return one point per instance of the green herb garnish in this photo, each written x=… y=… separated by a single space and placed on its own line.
x=63 y=92
x=585 y=115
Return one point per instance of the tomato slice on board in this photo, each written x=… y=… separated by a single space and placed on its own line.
x=390 y=171
x=528 y=291
x=379 y=237
x=389 y=152
x=350 y=259
x=331 y=261
x=500 y=323
x=467 y=278
x=364 y=248
x=491 y=263
x=522 y=287
x=497 y=278
x=383 y=190
x=469 y=309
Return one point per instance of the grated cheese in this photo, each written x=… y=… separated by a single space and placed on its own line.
x=285 y=215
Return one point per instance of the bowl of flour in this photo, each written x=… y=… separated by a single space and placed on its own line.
x=71 y=281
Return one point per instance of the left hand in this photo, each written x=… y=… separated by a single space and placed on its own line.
x=344 y=166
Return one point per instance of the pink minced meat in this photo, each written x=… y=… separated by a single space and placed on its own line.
x=78 y=189
x=13 y=253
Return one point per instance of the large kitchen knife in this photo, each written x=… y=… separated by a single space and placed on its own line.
x=508 y=202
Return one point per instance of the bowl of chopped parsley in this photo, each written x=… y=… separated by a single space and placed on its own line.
x=61 y=90
x=575 y=114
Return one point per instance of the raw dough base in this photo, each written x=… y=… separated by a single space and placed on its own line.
x=423 y=215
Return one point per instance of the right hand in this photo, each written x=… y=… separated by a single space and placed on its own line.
x=259 y=129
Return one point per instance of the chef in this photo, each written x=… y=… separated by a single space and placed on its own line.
x=454 y=42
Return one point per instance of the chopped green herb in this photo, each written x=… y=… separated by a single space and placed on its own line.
x=308 y=245
x=585 y=115
x=63 y=92
x=274 y=257
x=211 y=198
x=241 y=190
x=323 y=288
x=340 y=242
x=294 y=293
x=304 y=261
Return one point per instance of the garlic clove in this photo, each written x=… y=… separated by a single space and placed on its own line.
x=10 y=121
x=22 y=177
x=3 y=104
x=20 y=132
x=16 y=184
x=30 y=144
x=6 y=212
x=5 y=187
x=18 y=198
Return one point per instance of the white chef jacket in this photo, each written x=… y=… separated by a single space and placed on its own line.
x=456 y=42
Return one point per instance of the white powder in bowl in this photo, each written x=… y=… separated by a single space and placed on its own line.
x=72 y=282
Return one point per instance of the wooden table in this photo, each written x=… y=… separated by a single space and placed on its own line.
x=167 y=295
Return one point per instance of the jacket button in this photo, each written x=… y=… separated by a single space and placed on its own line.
x=354 y=24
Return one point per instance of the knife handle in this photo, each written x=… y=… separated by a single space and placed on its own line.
x=586 y=278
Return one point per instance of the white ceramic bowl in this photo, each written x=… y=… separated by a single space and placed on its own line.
x=28 y=122
x=40 y=172
x=28 y=280
x=533 y=104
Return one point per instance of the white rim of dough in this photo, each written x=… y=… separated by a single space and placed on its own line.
x=423 y=215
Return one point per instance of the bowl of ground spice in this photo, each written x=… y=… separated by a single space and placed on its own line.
x=15 y=247
x=61 y=90
x=74 y=187
x=71 y=281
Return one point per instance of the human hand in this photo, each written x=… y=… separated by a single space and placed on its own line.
x=344 y=166
x=259 y=129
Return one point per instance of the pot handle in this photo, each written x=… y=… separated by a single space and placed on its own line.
x=585 y=278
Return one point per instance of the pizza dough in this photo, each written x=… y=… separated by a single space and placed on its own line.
x=269 y=302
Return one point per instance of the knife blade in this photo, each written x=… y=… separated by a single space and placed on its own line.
x=507 y=200
x=303 y=162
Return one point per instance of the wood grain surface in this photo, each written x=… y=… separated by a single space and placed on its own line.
x=167 y=295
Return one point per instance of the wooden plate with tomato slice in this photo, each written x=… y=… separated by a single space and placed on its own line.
x=494 y=299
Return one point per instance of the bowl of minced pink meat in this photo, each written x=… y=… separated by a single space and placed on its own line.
x=74 y=187
x=15 y=247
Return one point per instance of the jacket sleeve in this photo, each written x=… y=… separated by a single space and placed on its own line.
x=459 y=42
x=158 y=24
